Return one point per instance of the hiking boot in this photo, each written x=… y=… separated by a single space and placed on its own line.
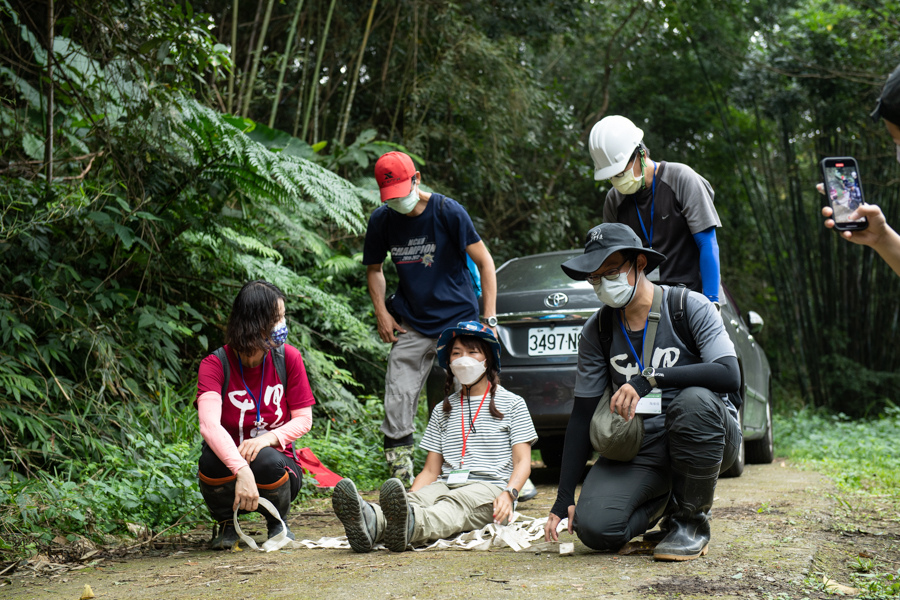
x=356 y=515
x=400 y=461
x=398 y=515
x=688 y=535
x=279 y=494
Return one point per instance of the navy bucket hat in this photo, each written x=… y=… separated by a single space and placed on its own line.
x=473 y=328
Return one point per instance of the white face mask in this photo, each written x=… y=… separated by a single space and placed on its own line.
x=616 y=292
x=467 y=369
x=406 y=204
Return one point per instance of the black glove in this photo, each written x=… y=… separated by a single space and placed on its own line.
x=640 y=385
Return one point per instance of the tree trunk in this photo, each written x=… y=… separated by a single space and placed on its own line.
x=284 y=62
x=353 y=82
x=250 y=46
x=248 y=96
x=234 y=26
x=317 y=71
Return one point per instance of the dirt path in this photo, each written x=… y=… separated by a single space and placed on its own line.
x=767 y=527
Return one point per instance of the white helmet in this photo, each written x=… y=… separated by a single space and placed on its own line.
x=612 y=142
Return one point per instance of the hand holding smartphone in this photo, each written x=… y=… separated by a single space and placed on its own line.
x=843 y=190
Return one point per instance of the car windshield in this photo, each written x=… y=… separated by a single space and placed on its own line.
x=539 y=272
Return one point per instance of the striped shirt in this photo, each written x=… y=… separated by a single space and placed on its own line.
x=489 y=445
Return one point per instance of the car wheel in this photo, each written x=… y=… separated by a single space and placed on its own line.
x=737 y=467
x=762 y=451
x=552 y=451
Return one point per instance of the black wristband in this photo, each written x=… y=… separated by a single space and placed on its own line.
x=640 y=385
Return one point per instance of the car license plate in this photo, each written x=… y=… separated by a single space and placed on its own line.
x=553 y=341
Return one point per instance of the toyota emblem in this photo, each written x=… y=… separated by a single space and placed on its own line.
x=556 y=300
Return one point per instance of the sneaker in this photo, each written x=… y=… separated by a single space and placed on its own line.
x=528 y=491
x=354 y=514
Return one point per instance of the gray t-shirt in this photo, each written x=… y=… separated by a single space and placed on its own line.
x=704 y=322
x=682 y=206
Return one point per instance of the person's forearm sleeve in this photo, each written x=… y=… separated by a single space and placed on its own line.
x=300 y=423
x=209 y=410
x=576 y=451
x=709 y=262
x=722 y=376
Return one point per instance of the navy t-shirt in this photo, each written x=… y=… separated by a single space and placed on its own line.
x=429 y=251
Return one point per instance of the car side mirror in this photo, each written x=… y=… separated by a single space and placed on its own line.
x=756 y=322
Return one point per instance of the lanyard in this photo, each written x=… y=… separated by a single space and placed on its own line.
x=462 y=416
x=262 y=382
x=630 y=345
x=652 y=201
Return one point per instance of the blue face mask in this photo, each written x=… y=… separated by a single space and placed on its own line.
x=279 y=333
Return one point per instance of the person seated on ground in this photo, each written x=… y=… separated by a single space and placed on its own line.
x=479 y=456
x=247 y=449
x=689 y=436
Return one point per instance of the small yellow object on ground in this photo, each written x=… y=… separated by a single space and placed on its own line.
x=87 y=593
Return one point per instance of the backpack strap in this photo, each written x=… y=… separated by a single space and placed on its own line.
x=223 y=358
x=677 y=305
x=280 y=365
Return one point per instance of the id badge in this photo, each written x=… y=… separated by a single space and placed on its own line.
x=458 y=476
x=651 y=404
x=653 y=275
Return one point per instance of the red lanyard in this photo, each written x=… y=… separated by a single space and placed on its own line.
x=462 y=417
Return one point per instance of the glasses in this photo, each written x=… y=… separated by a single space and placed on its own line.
x=594 y=278
x=629 y=166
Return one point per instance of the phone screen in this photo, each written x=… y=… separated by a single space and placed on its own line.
x=843 y=188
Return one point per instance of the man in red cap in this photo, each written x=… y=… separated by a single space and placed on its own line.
x=428 y=237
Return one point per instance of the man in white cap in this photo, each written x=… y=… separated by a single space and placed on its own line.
x=428 y=237
x=668 y=205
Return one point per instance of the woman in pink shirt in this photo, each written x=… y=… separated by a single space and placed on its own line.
x=247 y=435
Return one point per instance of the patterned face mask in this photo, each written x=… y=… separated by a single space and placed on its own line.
x=279 y=333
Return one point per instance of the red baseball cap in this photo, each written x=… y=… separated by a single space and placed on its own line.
x=394 y=172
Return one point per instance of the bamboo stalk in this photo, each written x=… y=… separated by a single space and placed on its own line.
x=287 y=52
x=248 y=96
x=48 y=146
x=317 y=72
x=246 y=71
x=353 y=82
x=302 y=93
x=234 y=25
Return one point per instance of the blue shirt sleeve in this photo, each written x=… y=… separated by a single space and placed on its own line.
x=709 y=262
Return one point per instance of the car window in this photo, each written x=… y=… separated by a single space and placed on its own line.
x=541 y=272
x=729 y=299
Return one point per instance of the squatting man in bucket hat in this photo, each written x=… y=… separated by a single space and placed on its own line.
x=479 y=455
x=879 y=236
x=428 y=237
x=691 y=430
x=667 y=204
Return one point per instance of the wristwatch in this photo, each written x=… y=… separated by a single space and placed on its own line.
x=513 y=492
x=491 y=321
x=650 y=375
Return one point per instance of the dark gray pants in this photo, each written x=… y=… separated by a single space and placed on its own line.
x=621 y=500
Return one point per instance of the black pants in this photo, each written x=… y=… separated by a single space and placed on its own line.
x=269 y=466
x=621 y=500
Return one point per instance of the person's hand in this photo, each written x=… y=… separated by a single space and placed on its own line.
x=552 y=523
x=871 y=235
x=625 y=402
x=387 y=325
x=246 y=496
x=250 y=448
x=503 y=507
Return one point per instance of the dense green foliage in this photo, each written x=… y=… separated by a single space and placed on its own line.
x=140 y=187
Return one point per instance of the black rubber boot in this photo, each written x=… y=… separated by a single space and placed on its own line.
x=219 y=500
x=280 y=497
x=693 y=490
x=356 y=515
x=398 y=515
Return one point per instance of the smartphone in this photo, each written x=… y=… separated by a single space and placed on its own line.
x=843 y=190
